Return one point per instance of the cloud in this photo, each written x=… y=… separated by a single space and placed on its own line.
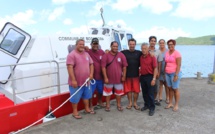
x=96 y=9
x=121 y=24
x=95 y=23
x=79 y=30
x=154 y=6
x=195 y=9
x=67 y=21
x=20 y=19
x=61 y=2
x=161 y=32
x=116 y=23
x=157 y=6
x=56 y=13
x=121 y=5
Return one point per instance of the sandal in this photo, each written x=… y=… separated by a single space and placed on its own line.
x=98 y=107
x=175 y=109
x=107 y=109
x=120 y=109
x=136 y=107
x=128 y=107
x=77 y=116
x=168 y=107
x=167 y=101
x=90 y=112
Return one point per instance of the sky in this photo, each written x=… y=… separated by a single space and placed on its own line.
x=162 y=18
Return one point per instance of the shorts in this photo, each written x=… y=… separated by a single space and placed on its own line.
x=162 y=77
x=108 y=89
x=132 y=85
x=99 y=85
x=84 y=93
x=170 y=82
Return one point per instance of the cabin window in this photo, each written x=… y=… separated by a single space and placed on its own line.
x=12 y=41
x=116 y=36
x=122 y=36
x=129 y=36
x=95 y=31
x=105 y=31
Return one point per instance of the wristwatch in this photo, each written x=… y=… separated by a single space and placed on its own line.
x=153 y=79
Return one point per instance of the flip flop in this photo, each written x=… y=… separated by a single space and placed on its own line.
x=107 y=109
x=168 y=107
x=128 y=107
x=175 y=110
x=120 y=109
x=167 y=101
x=136 y=107
x=77 y=117
x=98 y=107
x=90 y=112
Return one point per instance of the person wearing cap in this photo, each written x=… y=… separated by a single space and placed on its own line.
x=173 y=74
x=148 y=71
x=155 y=52
x=96 y=54
x=132 y=83
x=80 y=68
x=114 y=71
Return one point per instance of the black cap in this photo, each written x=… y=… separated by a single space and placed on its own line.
x=95 y=40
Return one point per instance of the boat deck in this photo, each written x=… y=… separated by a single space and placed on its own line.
x=196 y=115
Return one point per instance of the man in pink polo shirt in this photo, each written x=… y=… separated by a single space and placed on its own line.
x=80 y=67
x=96 y=54
x=148 y=71
x=114 y=71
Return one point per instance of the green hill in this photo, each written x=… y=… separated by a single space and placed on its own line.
x=204 y=40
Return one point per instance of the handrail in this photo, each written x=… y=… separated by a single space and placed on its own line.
x=30 y=76
x=12 y=78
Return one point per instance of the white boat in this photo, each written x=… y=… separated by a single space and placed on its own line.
x=33 y=74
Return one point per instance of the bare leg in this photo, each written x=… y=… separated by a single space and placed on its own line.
x=167 y=92
x=107 y=101
x=177 y=97
x=160 y=90
x=75 y=109
x=100 y=99
x=118 y=100
x=171 y=92
x=86 y=105
x=91 y=103
x=135 y=98
x=129 y=95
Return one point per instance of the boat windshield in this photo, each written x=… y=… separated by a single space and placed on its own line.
x=12 y=41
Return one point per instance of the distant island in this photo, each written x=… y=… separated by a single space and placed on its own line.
x=204 y=40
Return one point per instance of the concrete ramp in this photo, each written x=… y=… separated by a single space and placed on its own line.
x=196 y=115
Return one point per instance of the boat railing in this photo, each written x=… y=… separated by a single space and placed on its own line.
x=13 y=79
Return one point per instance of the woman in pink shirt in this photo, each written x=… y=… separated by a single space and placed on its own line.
x=173 y=73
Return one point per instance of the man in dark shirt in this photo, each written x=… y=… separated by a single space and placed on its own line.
x=148 y=71
x=132 y=84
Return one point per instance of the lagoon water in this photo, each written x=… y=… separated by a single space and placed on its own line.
x=196 y=58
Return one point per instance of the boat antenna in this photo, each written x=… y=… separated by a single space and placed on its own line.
x=101 y=10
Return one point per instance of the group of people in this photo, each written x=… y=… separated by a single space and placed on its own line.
x=123 y=73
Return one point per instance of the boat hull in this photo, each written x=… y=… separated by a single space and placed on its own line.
x=19 y=116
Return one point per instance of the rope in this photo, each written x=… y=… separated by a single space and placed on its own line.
x=85 y=83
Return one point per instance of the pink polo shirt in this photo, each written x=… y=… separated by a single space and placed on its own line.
x=97 y=57
x=170 y=60
x=114 y=70
x=81 y=65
